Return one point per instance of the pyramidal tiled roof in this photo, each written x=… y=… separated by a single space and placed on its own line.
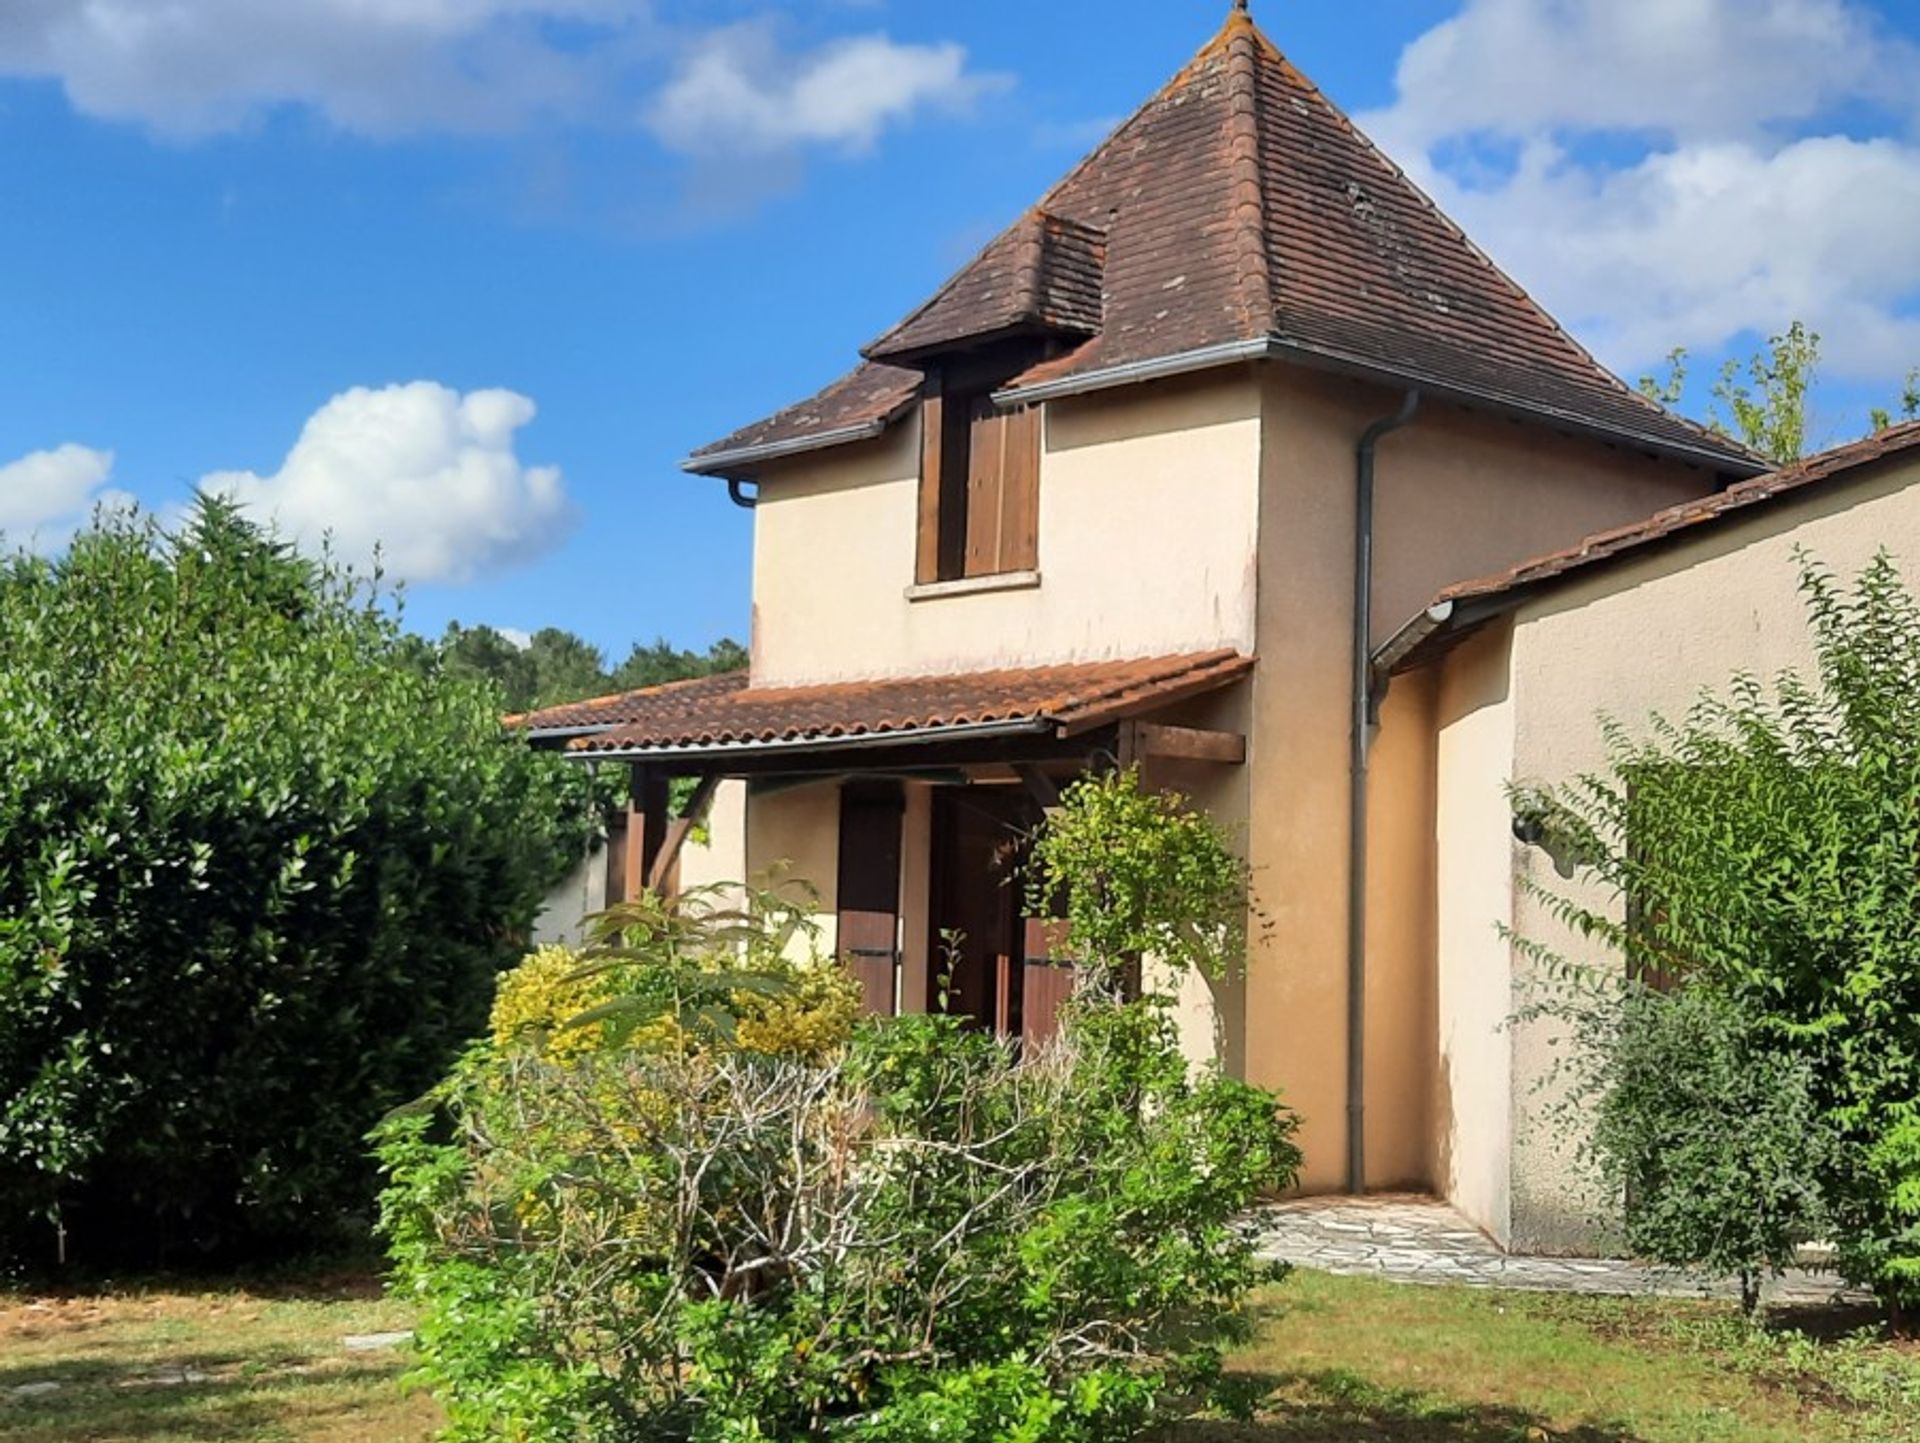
x=1240 y=213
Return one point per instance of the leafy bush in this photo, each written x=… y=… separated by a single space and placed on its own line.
x=257 y=873
x=1768 y=849
x=1715 y=1142
x=685 y=1235
x=1139 y=873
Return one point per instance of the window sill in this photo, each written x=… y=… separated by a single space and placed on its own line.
x=974 y=585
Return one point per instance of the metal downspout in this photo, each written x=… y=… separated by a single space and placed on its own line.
x=1363 y=702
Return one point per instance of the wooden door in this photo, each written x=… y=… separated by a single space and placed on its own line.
x=979 y=838
x=868 y=896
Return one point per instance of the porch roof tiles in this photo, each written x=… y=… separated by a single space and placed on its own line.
x=728 y=714
x=601 y=712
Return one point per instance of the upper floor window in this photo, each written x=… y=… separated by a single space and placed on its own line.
x=979 y=478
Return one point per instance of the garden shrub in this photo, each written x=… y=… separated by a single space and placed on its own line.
x=698 y=1232
x=1138 y=873
x=1711 y=1137
x=258 y=869
x=1763 y=856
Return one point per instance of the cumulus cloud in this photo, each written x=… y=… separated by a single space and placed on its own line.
x=46 y=494
x=427 y=476
x=379 y=67
x=188 y=68
x=1679 y=172
x=739 y=91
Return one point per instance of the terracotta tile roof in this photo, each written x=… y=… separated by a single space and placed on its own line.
x=1239 y=208
x=1062 y=700
x=1043 y=276
x=601 y=712
x=1473 y=600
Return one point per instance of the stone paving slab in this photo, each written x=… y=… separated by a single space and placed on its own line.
x=1420 y=1240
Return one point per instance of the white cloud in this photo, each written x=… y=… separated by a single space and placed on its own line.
x=1676 y=172
x=189 y=68
x=738 y=91
x=379 y=67
x=46 y=494
x=521 y=639
x=428 y=476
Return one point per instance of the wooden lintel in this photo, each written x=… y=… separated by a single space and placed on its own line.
x=678 y=830
x=1139 y=740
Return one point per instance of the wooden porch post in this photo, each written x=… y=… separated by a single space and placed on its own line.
x=646 y=827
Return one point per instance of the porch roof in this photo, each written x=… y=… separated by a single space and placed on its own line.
x=691 y=721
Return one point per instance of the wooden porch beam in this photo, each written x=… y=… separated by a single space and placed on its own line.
x=679 y=829
x=1139 y=740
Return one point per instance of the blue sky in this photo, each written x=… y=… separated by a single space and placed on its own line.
x=488 y=269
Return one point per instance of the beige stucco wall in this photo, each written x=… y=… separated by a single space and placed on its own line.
x=1147 y=510
x=793 y=838
x=1400 y=988
x=721 y=858
x=1458 y=494
x=1210 y=1011
x=1633 y=639
x=583 y=893
x=1473 y=1086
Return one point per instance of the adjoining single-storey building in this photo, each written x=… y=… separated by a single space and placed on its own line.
x=1158 y=479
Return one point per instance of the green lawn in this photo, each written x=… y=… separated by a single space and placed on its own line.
x=1342 y=1360
x=1336 y=1361
x=167 y=1366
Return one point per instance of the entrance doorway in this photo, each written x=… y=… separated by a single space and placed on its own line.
x=980 y=837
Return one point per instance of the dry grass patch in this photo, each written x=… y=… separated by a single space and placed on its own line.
x=264 y=1364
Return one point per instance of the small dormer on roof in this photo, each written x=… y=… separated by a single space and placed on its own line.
x=1040 y=280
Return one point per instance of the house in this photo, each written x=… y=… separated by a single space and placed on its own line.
x=1156 y=479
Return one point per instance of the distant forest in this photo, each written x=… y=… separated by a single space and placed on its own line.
x=557 y=666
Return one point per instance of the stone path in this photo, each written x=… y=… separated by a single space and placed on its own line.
x=1418 y=1240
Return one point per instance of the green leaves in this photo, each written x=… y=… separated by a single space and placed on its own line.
x=256 y=875
x=1139 y=874
x=1762 y=857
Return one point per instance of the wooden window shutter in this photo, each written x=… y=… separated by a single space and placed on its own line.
x=932 y=442
x=1003 y=489
x=1048 y=979
x=868 y=895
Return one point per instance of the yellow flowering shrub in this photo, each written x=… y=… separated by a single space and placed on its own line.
x=673 y=966
x=536 y=1000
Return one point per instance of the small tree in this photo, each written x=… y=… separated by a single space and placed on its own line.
x=1139 y=874
x=1766 y=855
x=1767 y=401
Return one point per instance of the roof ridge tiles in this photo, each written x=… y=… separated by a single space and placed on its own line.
x=1249 y=177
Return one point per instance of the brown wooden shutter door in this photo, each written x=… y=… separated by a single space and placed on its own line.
x=1020 y=491
x=932 y=439
x=1048 y=979
x=869 y=890
x=1003 y=490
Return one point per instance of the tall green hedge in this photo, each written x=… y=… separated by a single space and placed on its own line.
x=257 y=872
